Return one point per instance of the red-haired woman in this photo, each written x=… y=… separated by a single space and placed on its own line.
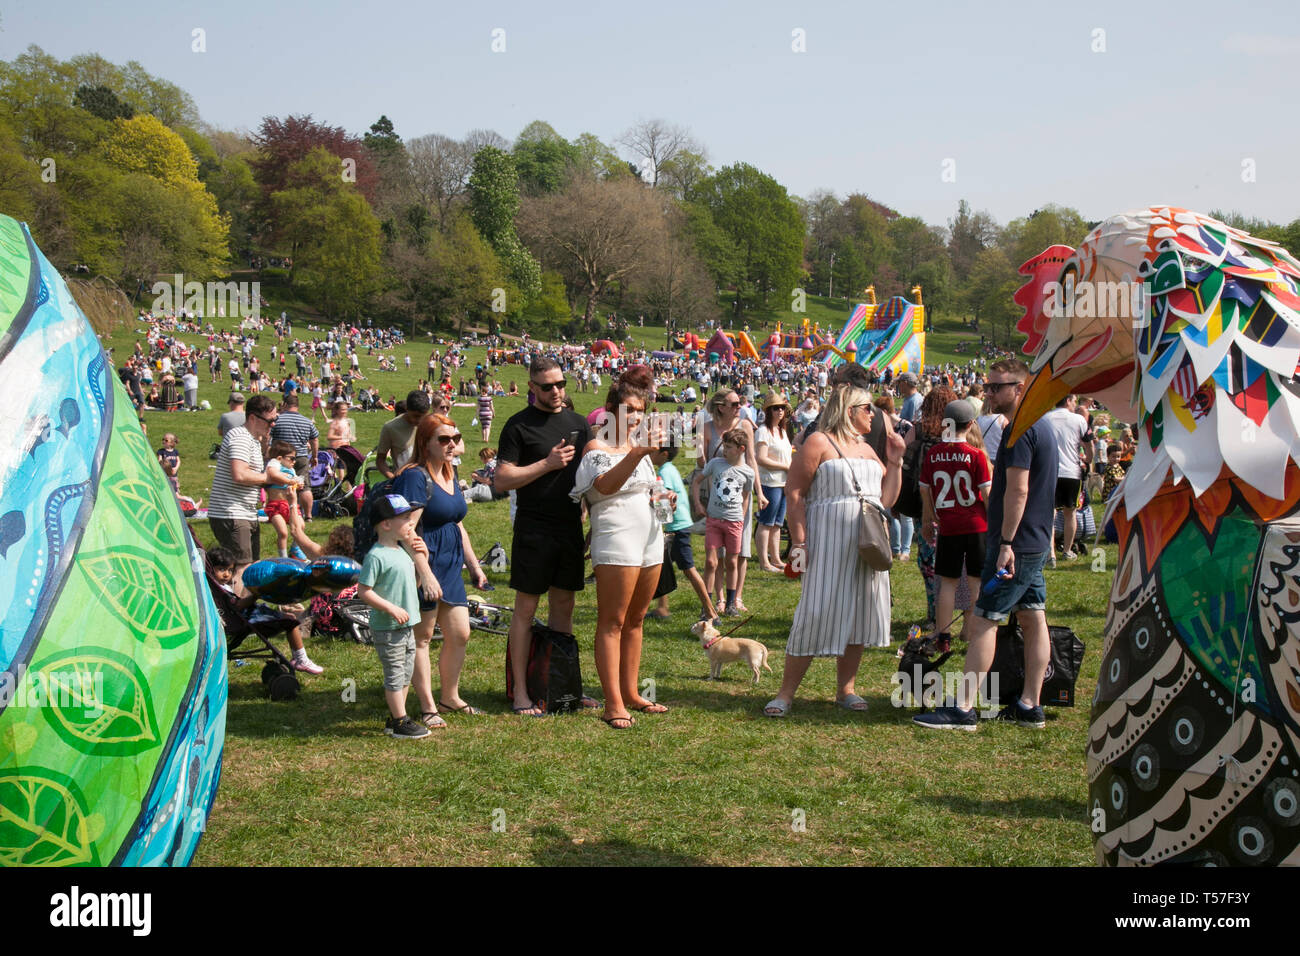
x=428 y=482
x=615 y=478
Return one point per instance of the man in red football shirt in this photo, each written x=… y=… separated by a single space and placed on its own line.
x=955 y=480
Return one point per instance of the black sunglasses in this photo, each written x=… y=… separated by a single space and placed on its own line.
x=269 y=421
x=450 y=439
x=994 y=386
x=551 y=386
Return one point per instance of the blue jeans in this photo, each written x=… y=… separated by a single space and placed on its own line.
x=900 y=533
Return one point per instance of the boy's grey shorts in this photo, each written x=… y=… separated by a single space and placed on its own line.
x=396 y=650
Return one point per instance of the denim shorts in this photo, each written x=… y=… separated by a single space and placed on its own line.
x=1026 y=590
x=774 y=514
x=396 y=651
x=680 y=551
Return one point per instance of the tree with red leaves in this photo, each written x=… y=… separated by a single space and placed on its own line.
x=282 y=143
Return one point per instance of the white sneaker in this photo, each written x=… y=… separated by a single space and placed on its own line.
x=306 y=664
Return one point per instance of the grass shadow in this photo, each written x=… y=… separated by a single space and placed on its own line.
x=1050 y=808
x=552 y=846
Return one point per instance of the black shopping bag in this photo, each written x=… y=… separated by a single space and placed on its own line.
x=554 y=672
x=667 y=576
x=1063 y=665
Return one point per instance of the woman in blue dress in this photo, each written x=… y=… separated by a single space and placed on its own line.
x=429 y=484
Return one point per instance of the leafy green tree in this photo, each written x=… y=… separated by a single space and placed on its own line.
x=37 y=91
x=494 y=203
x=764 y=224
x=682 y=171
x=333 y=234
x=594 y=158
x=544 y=159
x=1026 y=238
x=382 y=140
x=715 y=248
x=102 y=102
x=988 y=294
x=159 y=215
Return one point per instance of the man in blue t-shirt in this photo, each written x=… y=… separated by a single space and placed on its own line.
x=1019 y=541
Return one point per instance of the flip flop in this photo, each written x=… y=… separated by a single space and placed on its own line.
x=528 y=711
x=853 y=702
x=590 y=703
x=778 y=705
x=466 y=709
x=614 y=720
x=651 y=708
x=432 y=721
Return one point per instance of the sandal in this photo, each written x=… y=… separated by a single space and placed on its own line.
x=776 y=704
x=651 y=708
x=614 y=721
x=853 y=702
x=463 y=709
x=533 y=710
x=589 y=703
x=432 y=720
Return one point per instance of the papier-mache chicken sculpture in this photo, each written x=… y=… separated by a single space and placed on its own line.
x=1193 y=752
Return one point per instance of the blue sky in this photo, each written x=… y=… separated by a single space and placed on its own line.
x=1013 y=94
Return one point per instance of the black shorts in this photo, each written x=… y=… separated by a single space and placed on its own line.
x=679 y=550
x=544 y=557
x=1067 y=492
x=953 y=548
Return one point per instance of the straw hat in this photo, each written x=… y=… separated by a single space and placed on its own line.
x=773 y=399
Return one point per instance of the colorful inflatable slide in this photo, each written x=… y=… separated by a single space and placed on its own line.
x=878 y=337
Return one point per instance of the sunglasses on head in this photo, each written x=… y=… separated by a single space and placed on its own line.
x=551 y=386
x=450 y=439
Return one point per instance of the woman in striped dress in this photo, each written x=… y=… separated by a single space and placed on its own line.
x=844 y=605
x=485 y=412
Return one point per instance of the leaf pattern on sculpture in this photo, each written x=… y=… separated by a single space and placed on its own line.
x=140 y=503
x=98 y=702
x=130 y=584
x=43 y=820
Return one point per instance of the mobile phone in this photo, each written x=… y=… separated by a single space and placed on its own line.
x=573 y=437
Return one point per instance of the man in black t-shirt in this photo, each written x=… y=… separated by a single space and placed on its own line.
x=1020 y=508
x=538 y=456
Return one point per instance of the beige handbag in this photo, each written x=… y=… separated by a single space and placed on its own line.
x=873 y=526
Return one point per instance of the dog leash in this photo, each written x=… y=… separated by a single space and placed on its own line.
x=739 y=626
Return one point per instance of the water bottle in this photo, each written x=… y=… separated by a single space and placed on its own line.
x=997 y=579
x=662 y=504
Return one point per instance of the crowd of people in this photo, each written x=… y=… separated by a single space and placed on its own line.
x=780 y=449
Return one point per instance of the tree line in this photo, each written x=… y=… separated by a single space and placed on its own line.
x=118 y=176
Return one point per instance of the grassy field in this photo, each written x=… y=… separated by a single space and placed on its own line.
x=712 y=782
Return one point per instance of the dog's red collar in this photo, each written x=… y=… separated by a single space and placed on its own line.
x=712 y=642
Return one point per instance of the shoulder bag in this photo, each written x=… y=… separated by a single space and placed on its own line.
x=873 y=525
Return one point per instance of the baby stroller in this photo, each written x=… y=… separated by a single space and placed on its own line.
x=277 y=674
x=342 y=616
x=327 y=478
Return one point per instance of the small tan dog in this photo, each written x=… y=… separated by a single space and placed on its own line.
x=724 y=650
